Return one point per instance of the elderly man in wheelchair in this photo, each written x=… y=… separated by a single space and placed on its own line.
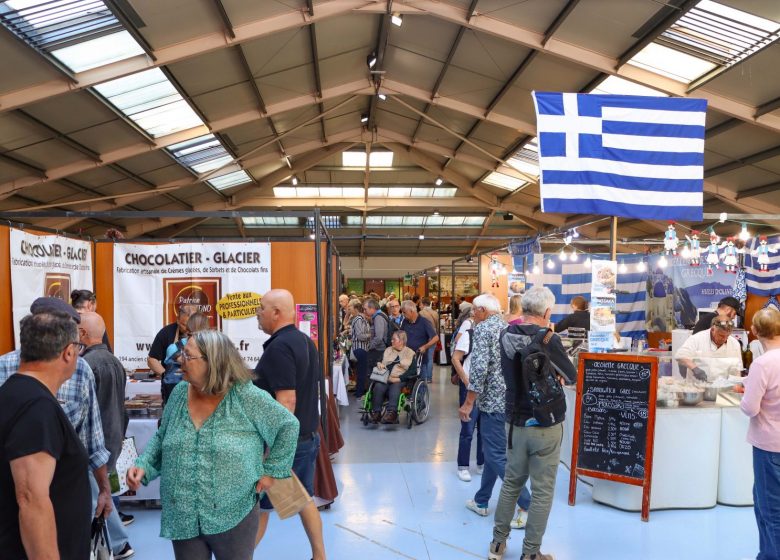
x=396 y=379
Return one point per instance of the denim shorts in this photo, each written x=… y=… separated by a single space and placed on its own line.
x=303 y=467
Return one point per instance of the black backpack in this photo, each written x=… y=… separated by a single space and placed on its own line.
x=535 y=378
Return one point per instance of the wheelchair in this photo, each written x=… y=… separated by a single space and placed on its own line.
x=415 y=398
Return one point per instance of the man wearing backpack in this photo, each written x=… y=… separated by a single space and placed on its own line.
x=381 y=332
x=531 y=357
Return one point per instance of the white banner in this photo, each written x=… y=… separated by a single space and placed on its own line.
x=46 y=265
x=224 y=280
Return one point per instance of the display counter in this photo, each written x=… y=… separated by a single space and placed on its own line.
x=147 y=387
x=700 y=458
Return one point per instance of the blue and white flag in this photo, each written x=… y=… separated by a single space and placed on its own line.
x=569 y=279
x=621 y=155
x=763 y=283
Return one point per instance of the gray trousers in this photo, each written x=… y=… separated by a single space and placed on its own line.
x=237 y=543
x=535 y=454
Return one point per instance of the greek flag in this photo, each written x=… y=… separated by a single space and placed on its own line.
x=569 y=279
x=759 y=282
x=621 y=155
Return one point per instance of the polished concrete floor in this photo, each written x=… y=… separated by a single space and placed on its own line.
x=400 y=498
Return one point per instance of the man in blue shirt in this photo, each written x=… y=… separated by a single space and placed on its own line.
x=420 y=334
x=79 y=401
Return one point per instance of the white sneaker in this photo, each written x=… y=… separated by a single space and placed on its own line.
x=480 y=468
x=472 y=505
x=519 y=521
x=464 y=475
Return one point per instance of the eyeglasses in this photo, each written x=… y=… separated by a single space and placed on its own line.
x=80 y=346
x=185 y=356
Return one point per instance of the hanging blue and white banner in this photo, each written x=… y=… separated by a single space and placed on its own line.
x=621 y=155
x=569 y=279
x=762 y=264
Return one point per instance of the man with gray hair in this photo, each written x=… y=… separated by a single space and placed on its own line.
x=44 y=490
x=488 y=389
x=534 y=451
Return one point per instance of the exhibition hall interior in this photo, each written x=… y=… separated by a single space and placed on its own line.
x=399 y=279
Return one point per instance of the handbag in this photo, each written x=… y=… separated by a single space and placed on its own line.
x=126 y=459
x=380 y=375
x=99 y=548
x=288 y=496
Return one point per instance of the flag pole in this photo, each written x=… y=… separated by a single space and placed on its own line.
x=613 y=239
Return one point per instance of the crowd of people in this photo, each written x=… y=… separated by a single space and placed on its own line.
x=227 y=434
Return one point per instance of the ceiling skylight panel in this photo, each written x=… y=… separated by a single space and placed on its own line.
x=393 y=220
x=151 y=101
x=230 y=180
x=423 y=192
x=671 y=63
x=285 y=192
x=98 y=52
x=330 y=192
x=379 y=192
x=399 y=192
x=212 y=164
x=353 y=159
x=474 y=221
x=434 y=221
x=308 y=192
x=504 y=181
x=353 y=192
x=380 y=159
x=358 y=159
x=619 y=86
x=414 y=220
x=441 y=192
x=354 y=221
x=373 y=220
x=453 y=220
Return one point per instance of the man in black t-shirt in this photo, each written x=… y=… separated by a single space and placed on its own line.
x=727 y=306
x=167 y=336
x=44 y=490
x=289 y=369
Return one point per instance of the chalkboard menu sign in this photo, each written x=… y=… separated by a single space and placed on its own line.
x=614 y=420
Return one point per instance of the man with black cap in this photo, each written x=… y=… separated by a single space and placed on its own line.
x=79 y=401
x=729 y=306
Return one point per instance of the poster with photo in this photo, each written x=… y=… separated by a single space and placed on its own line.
x=516 y=283
x=604 y=277
x=603 y=301
x=307 y=320
x=224 y=281
x=46 y=265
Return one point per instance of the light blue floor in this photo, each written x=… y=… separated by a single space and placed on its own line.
x=400 y=498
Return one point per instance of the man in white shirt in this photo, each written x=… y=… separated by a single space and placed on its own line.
x=461 y=362
x=713 y=353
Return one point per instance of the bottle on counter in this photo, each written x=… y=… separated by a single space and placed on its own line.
x=747 y=358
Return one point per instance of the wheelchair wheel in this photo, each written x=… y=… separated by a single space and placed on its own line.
x=421 y=401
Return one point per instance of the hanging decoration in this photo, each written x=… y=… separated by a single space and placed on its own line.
x=762 y=251
x=695 y=250
x=670 y=240
x=713 y=257
x=729 y=255
x=740 y=286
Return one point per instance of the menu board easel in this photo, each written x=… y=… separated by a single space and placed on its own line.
x=614 y=421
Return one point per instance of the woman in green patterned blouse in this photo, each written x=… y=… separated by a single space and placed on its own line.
x=209 y=451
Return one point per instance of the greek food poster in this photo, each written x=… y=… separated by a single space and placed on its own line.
x=222 y=280
x=46 y=266
x=603 y=301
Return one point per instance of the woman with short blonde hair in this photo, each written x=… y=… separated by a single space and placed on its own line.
x=222 y=440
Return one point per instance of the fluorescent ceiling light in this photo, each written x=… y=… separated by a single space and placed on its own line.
x=671 y=63
x=503 y=181
x=98 y=52
x=438 y=182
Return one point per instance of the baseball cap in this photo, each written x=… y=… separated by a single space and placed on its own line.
x=45 y=304
x=731 y=302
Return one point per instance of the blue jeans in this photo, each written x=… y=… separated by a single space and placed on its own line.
x=467 y=432
x=766 y=499
x=427 y=365
x=303 y=467
x=493 y=429
x=361 y=385
x=117 y=535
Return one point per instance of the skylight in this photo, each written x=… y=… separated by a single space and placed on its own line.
x=150 y=100
x=619 y=86
x=319 y=192
x=412 y=192
x=671 y=63
x=417 y=221
x=229 y=179
x=504 y=181
x=358 y=159
x=708 y=37
x=82 y=34
x=271 y=221
x=526 y=159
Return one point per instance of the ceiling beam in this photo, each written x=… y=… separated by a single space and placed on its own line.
x=743 y=161
x=768 y=107
x=482 y=232
x=559 y=19
x=755 y=191
x=720 y=70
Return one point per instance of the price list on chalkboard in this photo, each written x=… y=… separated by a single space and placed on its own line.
x=614 y=417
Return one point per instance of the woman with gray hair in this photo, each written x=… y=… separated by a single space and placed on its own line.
x=211 y=453
x=397 y=358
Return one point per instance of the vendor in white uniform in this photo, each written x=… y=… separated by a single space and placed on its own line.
x=713 y=353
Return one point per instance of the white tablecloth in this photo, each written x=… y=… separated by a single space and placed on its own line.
x=133 y=388
x=142 y=429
